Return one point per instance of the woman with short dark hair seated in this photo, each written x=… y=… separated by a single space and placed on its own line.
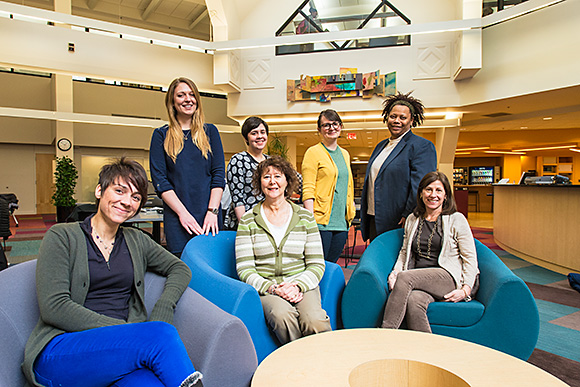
x=93 y=329
x=279 y=253
x=437 y=261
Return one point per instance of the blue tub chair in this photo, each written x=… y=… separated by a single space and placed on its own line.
x=503 y=314
x=212 y=261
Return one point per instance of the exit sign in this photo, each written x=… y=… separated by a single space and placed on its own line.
x=351 y=136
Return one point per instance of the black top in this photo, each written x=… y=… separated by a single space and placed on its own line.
x=111 y=283
x=423 y=255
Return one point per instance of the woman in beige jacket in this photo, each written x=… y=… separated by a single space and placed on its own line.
x=437 y=261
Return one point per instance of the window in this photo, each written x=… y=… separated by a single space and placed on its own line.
x=316 y=16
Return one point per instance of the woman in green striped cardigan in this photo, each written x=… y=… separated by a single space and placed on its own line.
x=279 y=252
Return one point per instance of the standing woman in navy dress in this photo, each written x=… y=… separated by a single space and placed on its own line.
x=187 y=167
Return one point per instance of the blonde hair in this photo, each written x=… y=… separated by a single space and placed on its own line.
x=173 y=144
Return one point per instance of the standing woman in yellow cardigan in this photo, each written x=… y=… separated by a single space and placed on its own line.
x=328 y=189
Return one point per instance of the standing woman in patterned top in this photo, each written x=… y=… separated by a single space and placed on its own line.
x=241 y=169
x=187 y=167
x=279 y=253
x=328 y=189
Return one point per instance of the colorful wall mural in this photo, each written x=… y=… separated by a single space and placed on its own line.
x=349 y=83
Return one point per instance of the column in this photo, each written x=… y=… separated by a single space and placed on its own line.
x=446 y=144
x=63 y=98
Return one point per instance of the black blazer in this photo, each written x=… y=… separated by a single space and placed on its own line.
x=397 y=181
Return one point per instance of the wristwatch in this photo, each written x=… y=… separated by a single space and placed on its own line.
x=213 y=210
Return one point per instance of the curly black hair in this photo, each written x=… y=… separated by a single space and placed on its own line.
x=415 y=106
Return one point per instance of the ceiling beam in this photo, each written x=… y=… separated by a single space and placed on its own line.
x=198 y=20
x=200 y=2
x=151 y=7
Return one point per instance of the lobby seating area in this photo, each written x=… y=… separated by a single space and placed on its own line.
x=213 y=266
x=212 y=337
x=557 y=303
x=490 y=319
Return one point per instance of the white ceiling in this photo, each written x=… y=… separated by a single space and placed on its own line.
x=187 y=18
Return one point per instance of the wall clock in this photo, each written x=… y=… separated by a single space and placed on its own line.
x=64 y=144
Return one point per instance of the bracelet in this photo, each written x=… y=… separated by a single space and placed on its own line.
x=272 y=289
x=467 y=296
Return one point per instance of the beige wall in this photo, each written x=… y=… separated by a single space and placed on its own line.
x=25 y=91
x=99 y=56
x=18 y=172
x=21 y=139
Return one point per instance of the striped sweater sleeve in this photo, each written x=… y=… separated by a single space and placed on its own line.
x=313 y=254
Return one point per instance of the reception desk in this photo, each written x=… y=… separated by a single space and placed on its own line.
x=540 y=224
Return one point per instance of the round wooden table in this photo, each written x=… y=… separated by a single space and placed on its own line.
x=386 y=357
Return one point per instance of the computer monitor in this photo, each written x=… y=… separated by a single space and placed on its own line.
x=526 y=174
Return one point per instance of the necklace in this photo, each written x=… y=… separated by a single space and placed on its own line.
x=186 y=134
x=106 y=246
x=419 y=232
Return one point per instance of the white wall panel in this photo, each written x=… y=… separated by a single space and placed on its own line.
x=99 y=56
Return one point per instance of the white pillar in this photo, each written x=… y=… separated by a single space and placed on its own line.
x=63 y=98
x=446 y=139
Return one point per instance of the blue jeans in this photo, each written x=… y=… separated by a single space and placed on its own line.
x=141 y=354
x=333 y=244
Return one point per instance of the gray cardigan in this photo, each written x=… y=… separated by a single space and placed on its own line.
x=62 y=283
x=457 y=255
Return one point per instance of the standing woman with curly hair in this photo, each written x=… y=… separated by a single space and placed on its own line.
x=187 y=167
x=395 y=168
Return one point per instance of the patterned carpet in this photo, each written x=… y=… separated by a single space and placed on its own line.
x=558 y=347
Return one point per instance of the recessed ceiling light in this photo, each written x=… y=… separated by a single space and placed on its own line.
x=547 y=118
x=523 y=127
x=547 y=147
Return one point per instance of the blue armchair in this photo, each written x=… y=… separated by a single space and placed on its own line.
x=212 y=337
x=503 y=315
x=212 y=260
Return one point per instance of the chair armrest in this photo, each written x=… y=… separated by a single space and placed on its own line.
x=331 y=288
x=235 y=297
x=214 y=338
x=365 y=295
x=510 y=321
x=223 y=291
x=211 y=336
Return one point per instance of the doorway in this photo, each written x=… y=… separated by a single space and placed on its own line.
x=44 y=183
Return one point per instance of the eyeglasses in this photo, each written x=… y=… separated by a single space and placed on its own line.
x=334 y=125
